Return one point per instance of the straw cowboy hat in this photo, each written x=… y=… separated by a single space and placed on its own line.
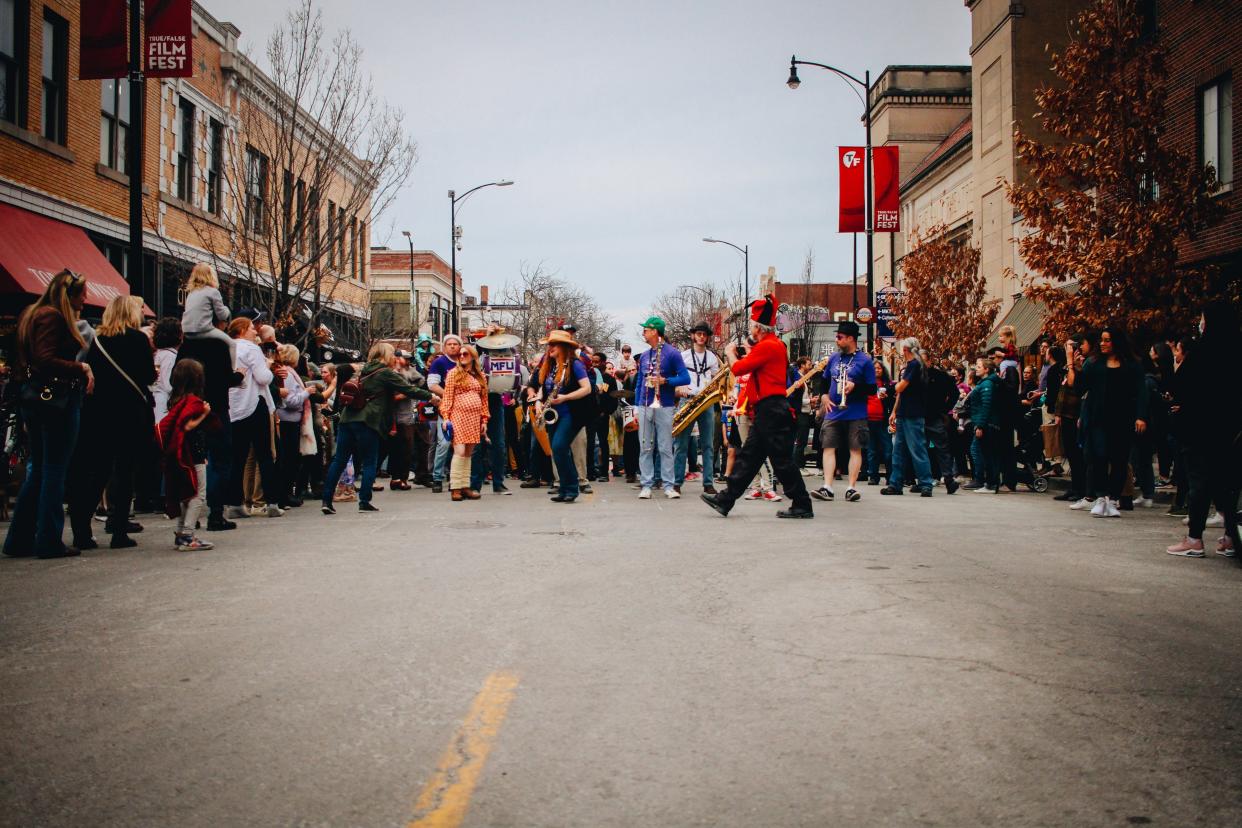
x=559 y=337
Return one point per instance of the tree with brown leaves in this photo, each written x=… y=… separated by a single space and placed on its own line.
x=944 y=300
x=1106 y=199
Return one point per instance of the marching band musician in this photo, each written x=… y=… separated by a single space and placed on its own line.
x=563 y=379
x=772 y=434
x=661 y=370
x=703 y=365
x=850 y=379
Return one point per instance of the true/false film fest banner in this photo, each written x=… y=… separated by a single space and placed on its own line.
x=167 y=43
x=853 y=193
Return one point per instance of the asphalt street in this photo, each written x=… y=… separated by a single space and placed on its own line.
x=966 y=660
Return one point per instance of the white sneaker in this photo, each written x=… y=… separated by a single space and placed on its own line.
x=235 y=512
x=990 y=490
x=1216 y=520
x=753 y=494
x=1110 y=507
x=274 y=511
x=1100 y=507
x=1144 y=502
x=672 y=494
x=645 y=494
x=1082 y=505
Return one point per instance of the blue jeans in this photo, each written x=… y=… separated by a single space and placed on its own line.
x=655 y=433
x=362 y=443
x=494 y=456
x=562 y=437
x=39 y=513
x=444 y=447
x=909 y=437
x=706 y=444
x=879 y=449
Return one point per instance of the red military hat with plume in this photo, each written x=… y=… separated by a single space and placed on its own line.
x=763 y=311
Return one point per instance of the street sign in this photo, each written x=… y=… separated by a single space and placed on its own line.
x=864 y=315
x=884 y=311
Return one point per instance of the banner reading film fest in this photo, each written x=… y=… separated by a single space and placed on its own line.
x=853 y=197
x=167 y=42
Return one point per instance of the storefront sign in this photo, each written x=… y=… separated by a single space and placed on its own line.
x=167 y=41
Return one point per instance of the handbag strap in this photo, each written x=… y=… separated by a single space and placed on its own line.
x=120 y=370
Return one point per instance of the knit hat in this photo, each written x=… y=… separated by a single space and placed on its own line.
x=763 y=311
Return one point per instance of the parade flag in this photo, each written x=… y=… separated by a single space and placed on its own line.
x=101 y=40
x=167 y=41
x=853 y=197
x=886 y=174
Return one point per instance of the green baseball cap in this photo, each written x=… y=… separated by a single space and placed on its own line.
x=655 y=323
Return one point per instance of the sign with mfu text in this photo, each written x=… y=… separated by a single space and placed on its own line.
x=167 y=41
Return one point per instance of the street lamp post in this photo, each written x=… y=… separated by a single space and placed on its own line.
x=413 y=293
x=794 y=82
x=745 y=251
x=454 y=240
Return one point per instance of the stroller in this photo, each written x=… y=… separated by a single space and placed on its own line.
x=1029 y=454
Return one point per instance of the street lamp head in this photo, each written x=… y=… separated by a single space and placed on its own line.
x=709 y=240
x=504 y=183
x=793 y=81
x=405 y=233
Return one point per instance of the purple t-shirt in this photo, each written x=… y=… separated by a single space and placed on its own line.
x=441 y=366
x=859 y=369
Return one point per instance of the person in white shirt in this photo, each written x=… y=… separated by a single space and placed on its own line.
x=702 y=365
x=250 y=409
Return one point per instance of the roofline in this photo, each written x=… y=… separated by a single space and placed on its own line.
x=952 y=152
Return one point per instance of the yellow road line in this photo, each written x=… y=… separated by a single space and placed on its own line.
x=446 y=796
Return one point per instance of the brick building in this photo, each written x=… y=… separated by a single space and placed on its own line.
x=397 y=276
x=209 y=193
x=1204 y=40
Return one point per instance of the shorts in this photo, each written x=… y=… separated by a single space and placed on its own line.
x=735 y=434
x=836 y=433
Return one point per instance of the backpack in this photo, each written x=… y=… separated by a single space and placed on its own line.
x=352 y=396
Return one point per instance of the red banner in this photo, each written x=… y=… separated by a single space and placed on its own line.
x=167 y=42
x=101 y=40
x=852 y=199
x=886 y=174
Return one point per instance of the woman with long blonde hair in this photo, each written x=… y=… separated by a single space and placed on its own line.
x=465 y=412
x=204 y=308
x=118 y=424
x=53 y=382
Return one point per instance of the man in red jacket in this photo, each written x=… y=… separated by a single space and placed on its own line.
x=772 y=433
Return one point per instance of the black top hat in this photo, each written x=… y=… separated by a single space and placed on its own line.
x=849 y=329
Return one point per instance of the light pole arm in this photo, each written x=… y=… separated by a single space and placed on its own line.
x=846 y=75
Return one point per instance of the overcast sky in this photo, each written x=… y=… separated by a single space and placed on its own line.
x=632 y=129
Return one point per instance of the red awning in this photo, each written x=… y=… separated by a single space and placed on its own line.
x=35 y=248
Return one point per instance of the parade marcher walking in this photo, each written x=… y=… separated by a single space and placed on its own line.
x=563 y=382
x=850 y=379
x=465 y=416
x=661 y=370
x=772 y=432
x=702 y=365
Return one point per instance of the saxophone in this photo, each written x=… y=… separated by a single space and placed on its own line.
x=710 y=394
x=653 y=377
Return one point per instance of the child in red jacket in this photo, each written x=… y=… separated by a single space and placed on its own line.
x=182 y=435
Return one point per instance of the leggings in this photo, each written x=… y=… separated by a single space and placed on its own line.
x=1111 y=448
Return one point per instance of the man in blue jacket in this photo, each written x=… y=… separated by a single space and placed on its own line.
x=660 y=370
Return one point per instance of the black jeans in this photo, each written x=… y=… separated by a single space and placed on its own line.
x=288 y=458
x=1073 y=454
x=1111 y=459
x=938 y=447
x=802 y=435
x=254 y=432
x=1213 y=480
x=771 y=438
x=423 y=452
x=400 y=449
x=597 y=447
x=102 y=460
